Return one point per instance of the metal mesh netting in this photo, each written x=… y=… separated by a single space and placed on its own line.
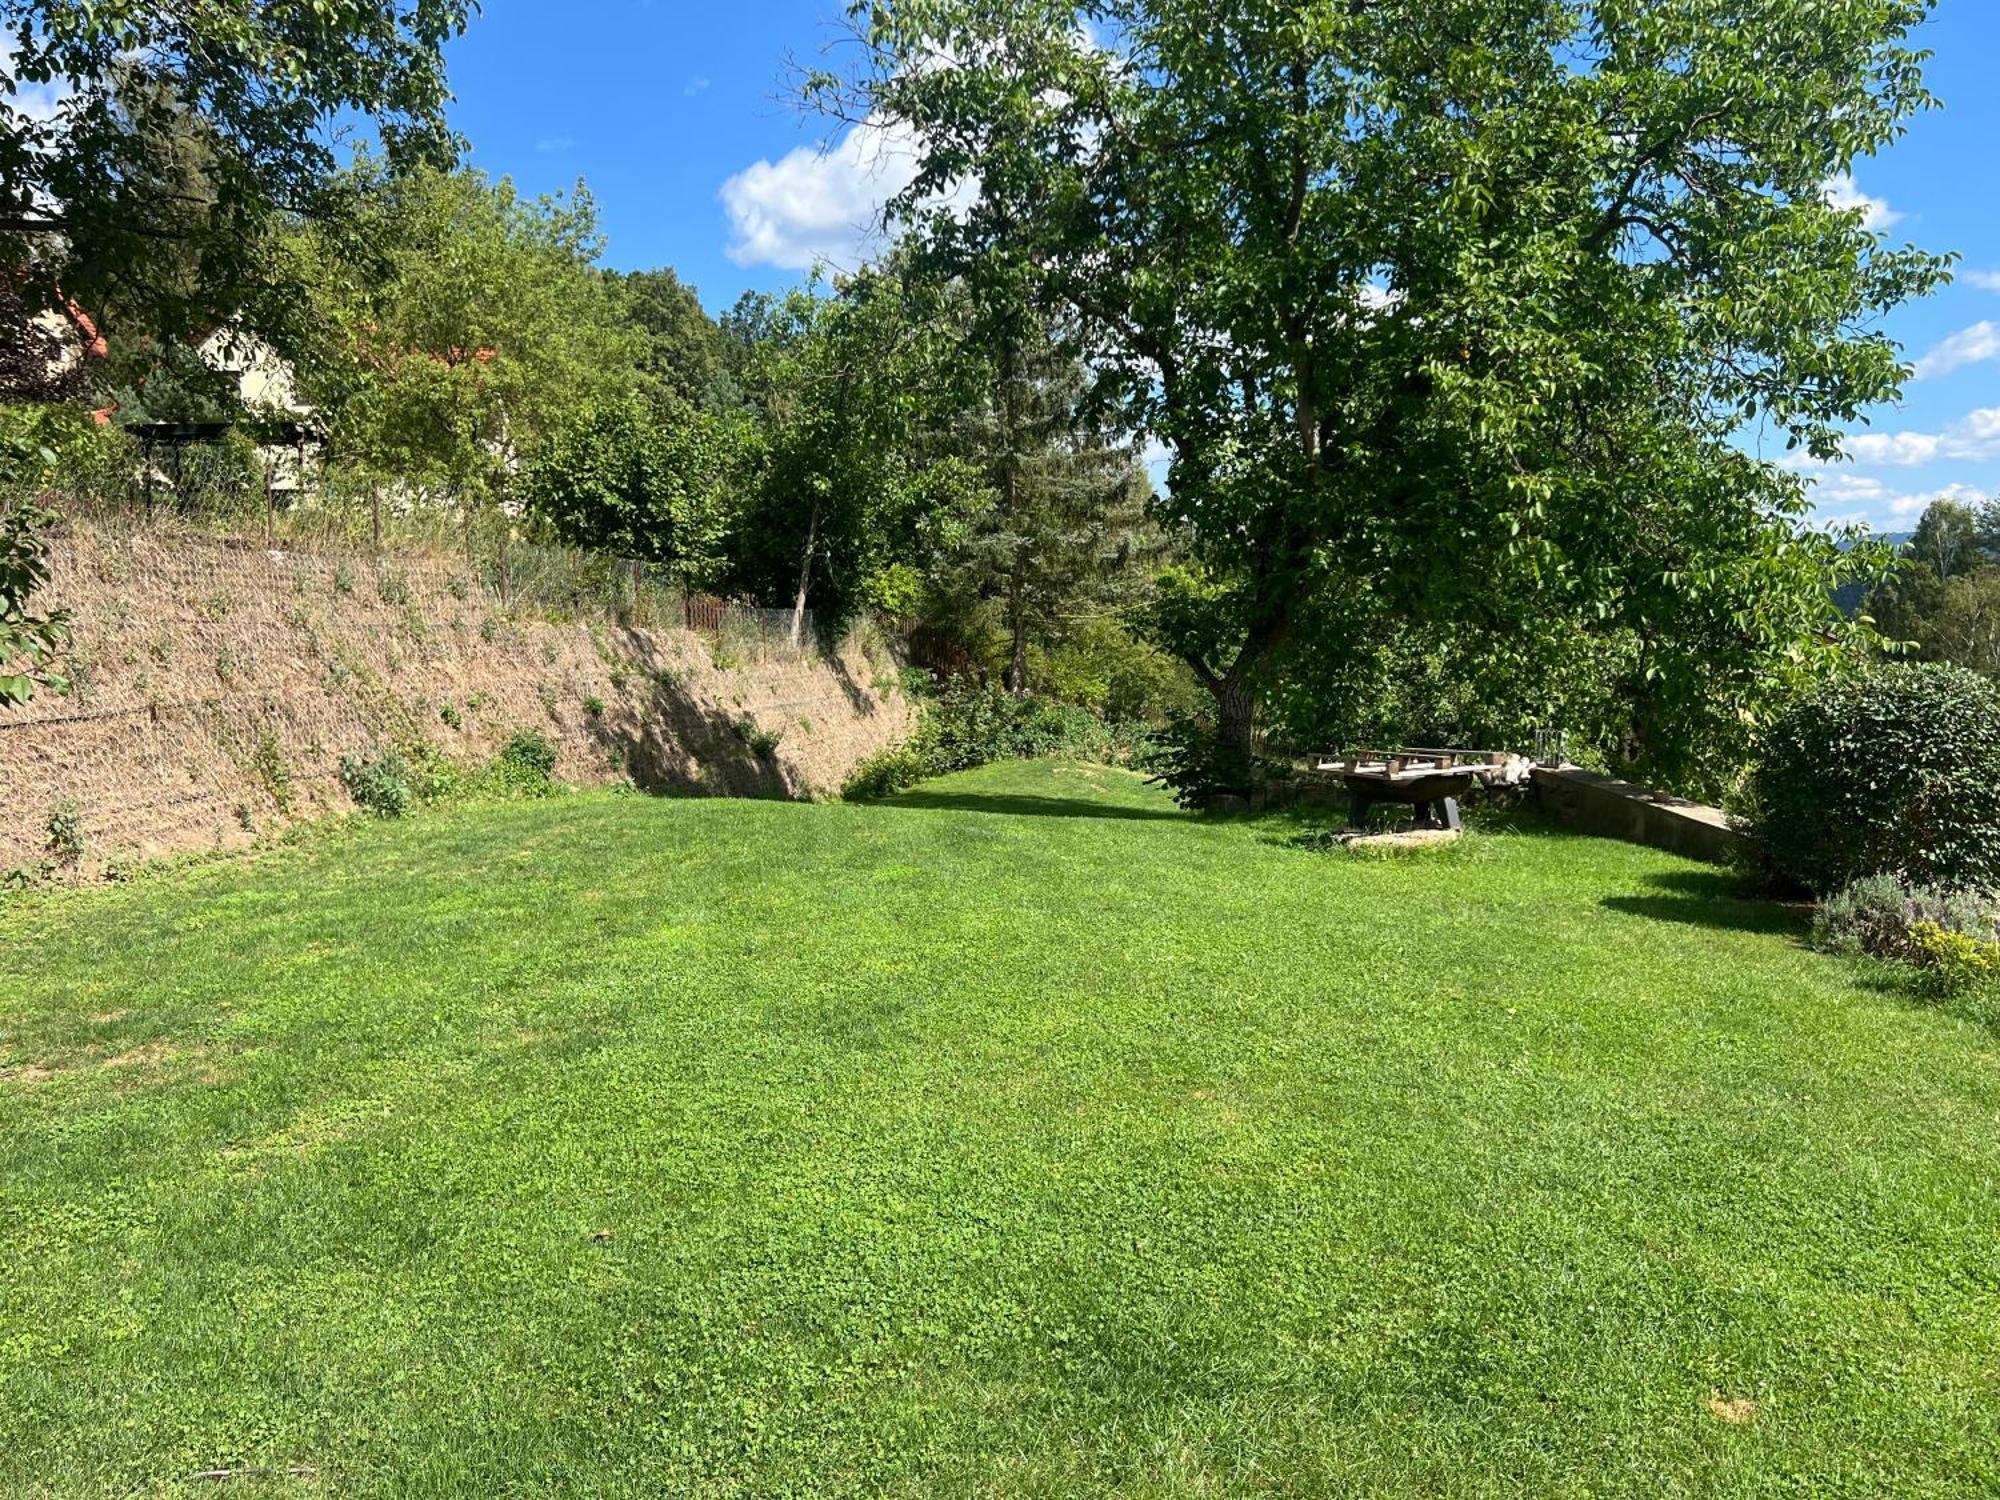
x=218 y=682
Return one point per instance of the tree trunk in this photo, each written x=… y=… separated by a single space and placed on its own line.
x=1236 y=701
x=805 y=579
x=1017 y=629
x=1010 y=506
x=1235 y=719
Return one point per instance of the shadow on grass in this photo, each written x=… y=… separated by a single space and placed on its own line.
x=1707 y=898
x=1033 y=807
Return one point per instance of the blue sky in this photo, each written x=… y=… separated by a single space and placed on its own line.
x=677 y=113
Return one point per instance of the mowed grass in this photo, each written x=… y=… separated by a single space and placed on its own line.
x=1020 y=1138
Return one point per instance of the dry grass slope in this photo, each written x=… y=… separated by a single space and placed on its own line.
x=220 y=683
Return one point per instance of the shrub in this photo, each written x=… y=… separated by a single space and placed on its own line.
x=1879 y=914
x=1957 y=961
x=965 y=724
x=433 y=775
x=524 y=767
x=1896 y=772
x=531 y=752
x=267 y=763
x=1200 y=766
x=885 y=774
x=379 y=780
x=65 y=832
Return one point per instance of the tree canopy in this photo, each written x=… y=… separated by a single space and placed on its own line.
x=855 y=487
x=473 y=325
x=1942 y=603
x=640 y=481
x=1446 y=310
x=190 y=128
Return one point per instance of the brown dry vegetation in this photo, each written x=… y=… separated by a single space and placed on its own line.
x=219 y=684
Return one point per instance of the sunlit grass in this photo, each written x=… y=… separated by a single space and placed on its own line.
x=1023 y=1137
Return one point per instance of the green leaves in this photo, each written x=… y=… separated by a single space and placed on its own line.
x=626 y=478
x=1894 y=773
x=1597 y=244
x=30 y=645
x=188 y=133
x=852 y=392
x=455 y=324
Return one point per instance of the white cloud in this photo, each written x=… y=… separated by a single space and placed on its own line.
x=555 y=143
x=695 y=85
x=1844 y=192
x=1845 y=488
x=1896 y=449
x=1910 y=507
x=1972 y=439
x=1986 y=281
x=1969 y=346
x=1850 y=499
x=811 y=206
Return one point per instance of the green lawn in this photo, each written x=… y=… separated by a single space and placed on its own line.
x=1021 y=1138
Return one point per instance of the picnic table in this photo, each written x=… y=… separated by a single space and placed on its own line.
x=1429 y=782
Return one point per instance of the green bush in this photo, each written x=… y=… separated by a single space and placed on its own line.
x=531 y=752
x=379 y=780
x=884 y=775
x=525 y=767
x=1955 y=961
x=1878 y=914
x=1199 y=766
x=65 y=832
x=433 y=775
x=267 y=763
x=1896 y=772
x=965 y=724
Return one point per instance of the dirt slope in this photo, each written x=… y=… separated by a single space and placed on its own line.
x=219 y=684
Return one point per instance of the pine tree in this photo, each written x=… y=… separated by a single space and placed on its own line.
x=1069 y=510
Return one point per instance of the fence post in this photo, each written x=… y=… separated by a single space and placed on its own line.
x=506 y=581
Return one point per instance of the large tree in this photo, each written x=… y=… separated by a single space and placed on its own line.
x=146 y=148
x=1943 y=601
x=682 y=358
x=463 y=326
x=1454 y=307
x=639 y=479
x=856 y=490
